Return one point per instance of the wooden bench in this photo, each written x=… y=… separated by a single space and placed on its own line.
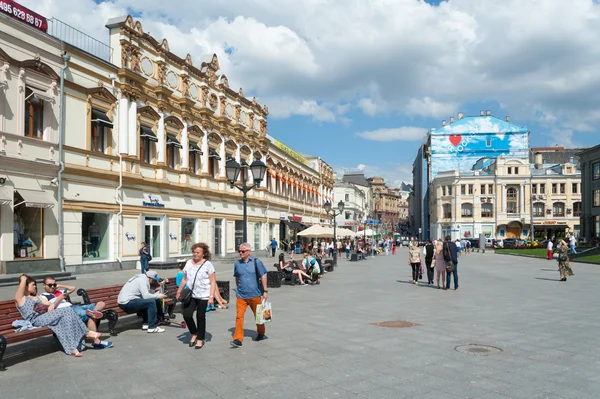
x=112 y=312
x=8 y=314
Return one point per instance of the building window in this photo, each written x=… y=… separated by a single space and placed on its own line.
x=516 y=170
x=562 y=188
x=443 y=190
x=213 y=163
x=171 y=159
x=554 y=188
x=28 y=230
x=534 y=189
x=34 y=114
x=538 y=210
x=100 y=129
x=510 y=170
x=188 y=234
x=95 y=236
x=482 y=188
x=542 y=189
x=193 y=162
x=597 y=197
x=574 y=188
x=449 y=190
x=490 y=189
x=447 y=211
x=470 y=189
x=145 y=150
x=558 y=209
x=347 y=197
x=577 y=209
x=487 y=210
x=596 y=171
x=466 y=210
x=277 y=186
x=462 y=189
x=511 y=201
x=348 y=215
x=257 y=231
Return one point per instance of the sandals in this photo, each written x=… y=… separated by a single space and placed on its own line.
x=223 y=306
x=76 y=353
x=94 y=314
x=93 y=335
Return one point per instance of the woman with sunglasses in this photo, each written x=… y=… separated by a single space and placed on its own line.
x=65 y=323
x=199 y=276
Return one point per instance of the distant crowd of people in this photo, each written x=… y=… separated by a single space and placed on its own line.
x=445 y=253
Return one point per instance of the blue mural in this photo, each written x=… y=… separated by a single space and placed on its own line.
x=474 y=142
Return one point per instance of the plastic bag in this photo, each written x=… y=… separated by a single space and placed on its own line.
x=263 y=313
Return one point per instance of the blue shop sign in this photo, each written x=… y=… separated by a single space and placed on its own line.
x=153 y=202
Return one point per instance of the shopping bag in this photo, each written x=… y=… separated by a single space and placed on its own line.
x=259 y=314
x=263 y=312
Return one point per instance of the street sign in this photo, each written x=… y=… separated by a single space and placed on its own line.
x=370 y=221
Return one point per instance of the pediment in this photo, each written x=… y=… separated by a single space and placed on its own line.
x=148 y=112
x=102 y=93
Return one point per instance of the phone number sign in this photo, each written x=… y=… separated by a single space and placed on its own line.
x=23 y=14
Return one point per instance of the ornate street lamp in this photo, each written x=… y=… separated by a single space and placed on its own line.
x=258 y=170
x=327 y=207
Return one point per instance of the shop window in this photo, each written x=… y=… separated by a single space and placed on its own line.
x=28 y=230
x=538 y=210
x=597 y=197
x=34 y=113
x=558 y=209
x=511 y=201
x=447 y=211
x=577 y=209
x=100 y=131
x=596 y=171
x=487 y=210
x=257 y=229
x=95 y=236
x=188 y=234
x=239 y=233
x=466 y=210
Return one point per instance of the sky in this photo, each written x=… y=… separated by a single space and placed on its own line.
x=360 y=82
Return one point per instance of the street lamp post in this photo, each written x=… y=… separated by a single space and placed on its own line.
x=327 y=207
x=258 y=169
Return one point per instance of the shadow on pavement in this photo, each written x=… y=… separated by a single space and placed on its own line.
x=547 y=279
x=424 y=285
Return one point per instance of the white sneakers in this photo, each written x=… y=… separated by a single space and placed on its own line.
x=152 y=330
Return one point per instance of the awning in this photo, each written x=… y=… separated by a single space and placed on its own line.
x=292 y=225
x=147 y=133
x=549 y=226
x=172 y=140
x=213 y=154
x=36 y=199
x=194 y=148
x=6 y=195
x=101 y=118
x=37 y=93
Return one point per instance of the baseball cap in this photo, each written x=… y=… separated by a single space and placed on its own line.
x=153 y=275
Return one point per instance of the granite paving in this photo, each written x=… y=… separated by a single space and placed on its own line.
x=323 y=342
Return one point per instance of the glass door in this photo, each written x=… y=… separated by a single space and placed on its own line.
x=153 y=236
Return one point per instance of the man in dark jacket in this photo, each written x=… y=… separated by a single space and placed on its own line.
x=428 y=261
x=451 y=254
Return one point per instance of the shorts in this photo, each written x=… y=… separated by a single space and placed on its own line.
x=80 y=310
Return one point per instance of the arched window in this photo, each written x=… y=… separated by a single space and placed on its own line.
x=466 y=210
x=511 y=201
x=487 y=211
x=447 y=211
x=558 y=209
x=539 y=209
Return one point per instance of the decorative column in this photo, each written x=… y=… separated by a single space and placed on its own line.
x=504 y=198
x=250 y=177
x=521 y=199
x=124 y=125
x=185 y=143
x=204 y=156
x=132 y=130
x=160 y=135
x=223 y=159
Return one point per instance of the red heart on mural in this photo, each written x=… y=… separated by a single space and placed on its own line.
x=455 y=139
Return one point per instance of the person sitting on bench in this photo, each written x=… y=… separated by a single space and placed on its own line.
x=55 y=293
x=287 y=266
x=137 y=296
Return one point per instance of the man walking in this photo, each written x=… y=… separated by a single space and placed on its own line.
x=251 y=281
x=572 y=244
x=273 y=247
x=450 y=252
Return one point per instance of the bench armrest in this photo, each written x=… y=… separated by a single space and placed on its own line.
x=84 y=295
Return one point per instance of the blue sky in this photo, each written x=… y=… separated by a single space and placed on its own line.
x=359 y=83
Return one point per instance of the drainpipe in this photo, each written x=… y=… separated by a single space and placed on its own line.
x=61 y=160
x=119 y=189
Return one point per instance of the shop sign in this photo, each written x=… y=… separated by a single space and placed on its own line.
x=296 y=218
x=549 y=222
x=23 y=14
x=153 y=202
x=290 y=152
x=350 y=223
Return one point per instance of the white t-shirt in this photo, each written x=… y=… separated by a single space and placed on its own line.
x=202 y=287
x=550 y=245
x=572 y=240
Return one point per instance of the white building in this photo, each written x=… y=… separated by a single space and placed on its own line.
x=355 y=205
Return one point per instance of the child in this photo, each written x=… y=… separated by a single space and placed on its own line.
x=179 y=276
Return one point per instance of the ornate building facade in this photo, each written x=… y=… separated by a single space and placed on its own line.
x=146 y=139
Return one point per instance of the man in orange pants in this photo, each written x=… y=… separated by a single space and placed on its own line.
x=251 y=281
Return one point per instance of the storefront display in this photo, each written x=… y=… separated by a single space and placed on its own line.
x=94 y=234
x=188 y=234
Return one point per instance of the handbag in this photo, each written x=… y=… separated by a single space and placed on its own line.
x=449 y=264
x=186 y=294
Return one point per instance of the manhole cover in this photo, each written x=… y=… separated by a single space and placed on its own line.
x=479 y=350
x=395 y=324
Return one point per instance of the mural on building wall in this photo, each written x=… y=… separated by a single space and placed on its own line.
x=472 y=143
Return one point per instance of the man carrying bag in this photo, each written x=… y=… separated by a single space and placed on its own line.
x=450 y=252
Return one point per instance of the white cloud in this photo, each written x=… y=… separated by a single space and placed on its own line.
x=405 y=133
x=402 y=56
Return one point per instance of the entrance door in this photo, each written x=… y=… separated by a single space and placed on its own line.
x=153 y=236
x=218 y=234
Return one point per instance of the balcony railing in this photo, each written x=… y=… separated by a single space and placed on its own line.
x=77 y=38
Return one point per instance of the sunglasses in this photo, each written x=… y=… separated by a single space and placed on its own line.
x=53 y=285
x=242 y=251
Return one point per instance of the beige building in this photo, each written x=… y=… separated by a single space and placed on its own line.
x=146 y=137
x=386 y=204
x=497 y=201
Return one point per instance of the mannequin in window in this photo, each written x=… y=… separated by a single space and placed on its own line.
x=18 y=232
x=94 y=233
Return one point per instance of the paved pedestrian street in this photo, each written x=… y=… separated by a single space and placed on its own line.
x=324 y=342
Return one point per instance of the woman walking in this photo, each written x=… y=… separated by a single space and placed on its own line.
x=440 y=265
x=414 y=260
x=564 y=266
x=429 y=252
x=64 y=322
x=200 y=279
x=144 y=258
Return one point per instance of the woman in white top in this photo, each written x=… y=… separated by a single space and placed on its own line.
x=199 y=276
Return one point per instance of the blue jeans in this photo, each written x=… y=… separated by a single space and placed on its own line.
x=80 y=310
x=148 y=307
x=144 y=264
x=347 y=254
x=455 y=274
x=572 y=246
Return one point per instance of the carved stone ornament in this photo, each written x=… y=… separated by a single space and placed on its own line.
x=251 y=120
x=263 y=127
x=161 y=73
x=204 y=96
x=212 y=101
x=134 y=60
x=185 y=86
x=236 y=113
x=212 y=77
x=241 y=92
x=124 y=49
x=266 y=109
x=254 y=102
x=223 y=105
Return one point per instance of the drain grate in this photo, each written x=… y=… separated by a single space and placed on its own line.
x=478 y=350
x=395 y=324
